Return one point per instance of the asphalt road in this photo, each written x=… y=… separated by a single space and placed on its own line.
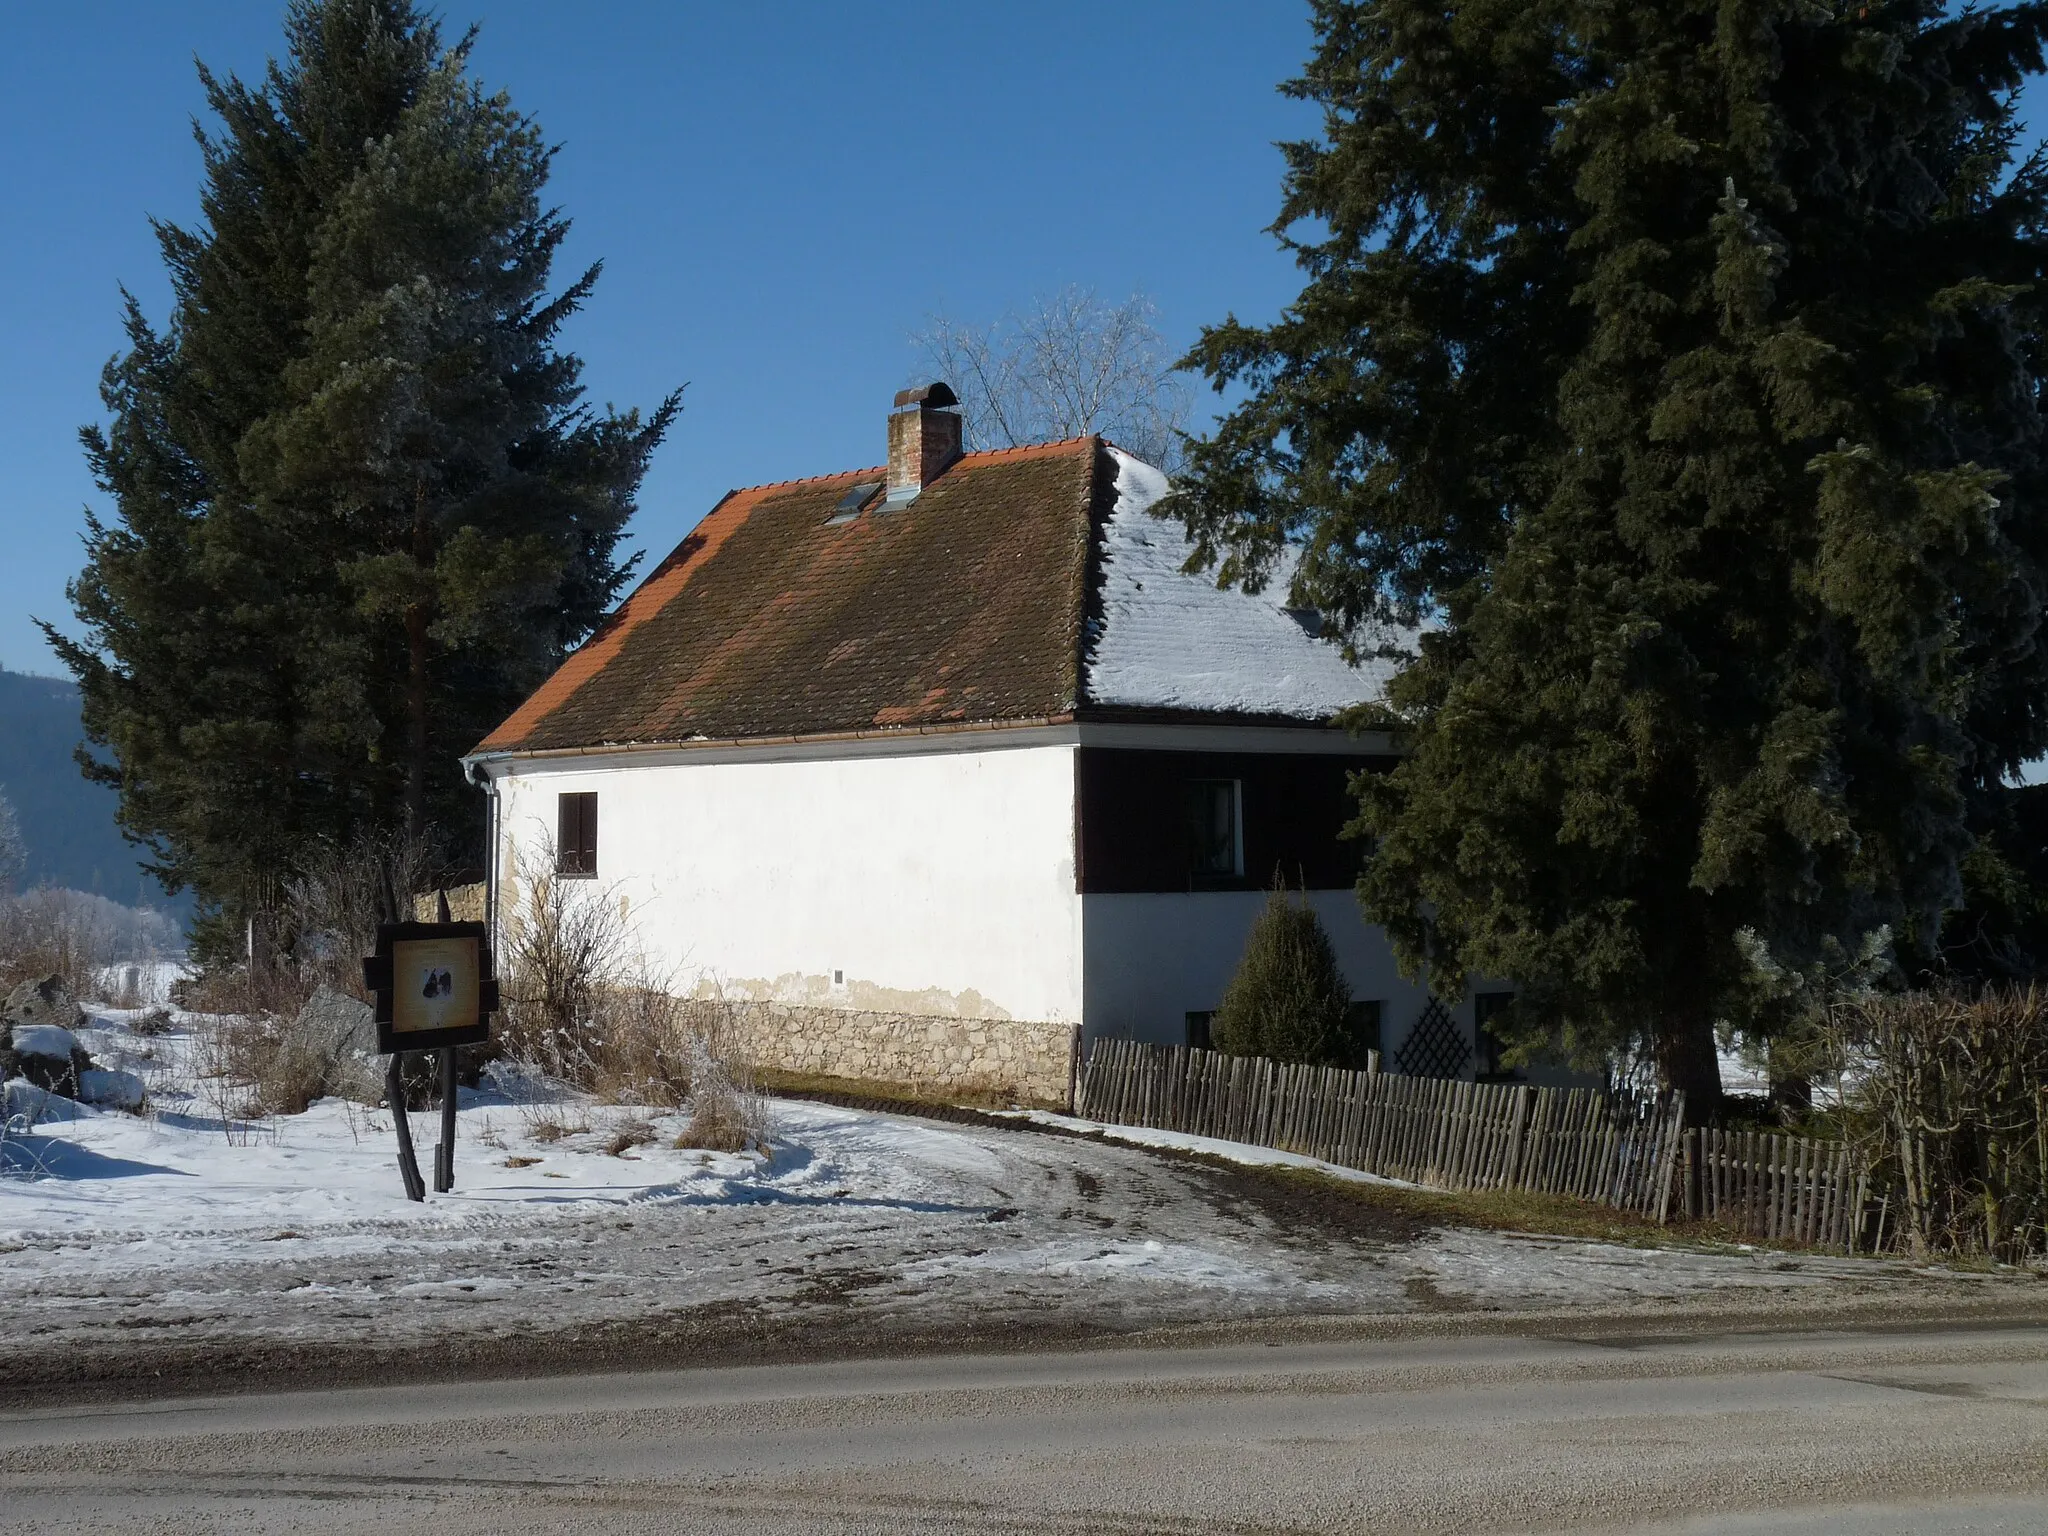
x=1926 y=1431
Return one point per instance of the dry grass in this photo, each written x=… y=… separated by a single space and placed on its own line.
x=1493 y=1210
x=727 y=1113
x=151 y=1022
x=627 y=1135
x=550 y=1121
x=266 y=1065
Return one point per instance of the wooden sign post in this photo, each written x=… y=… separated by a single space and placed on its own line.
x=434 y=991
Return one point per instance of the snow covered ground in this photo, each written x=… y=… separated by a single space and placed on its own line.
x=122 y=1232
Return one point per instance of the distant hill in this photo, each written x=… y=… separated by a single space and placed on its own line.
x=67 y=823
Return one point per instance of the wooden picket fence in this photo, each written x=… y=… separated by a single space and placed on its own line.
x=1442 y=1132
x=1776 y=1188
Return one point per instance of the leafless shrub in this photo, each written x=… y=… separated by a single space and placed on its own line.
x=582 y=1008
x=1946 y=1092
x=324 y=920
x=256 y=992
x=339 y=893
x=1067 y=365
x=223 y=1088
x=565 y=946
x=581 y=1004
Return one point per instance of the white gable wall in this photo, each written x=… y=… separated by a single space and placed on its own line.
x=938 y=882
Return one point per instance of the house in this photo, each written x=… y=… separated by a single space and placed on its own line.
x=944 y=764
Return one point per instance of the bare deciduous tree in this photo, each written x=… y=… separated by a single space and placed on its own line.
x=1068 y=365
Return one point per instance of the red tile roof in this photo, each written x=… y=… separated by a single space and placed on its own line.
x=965 y=607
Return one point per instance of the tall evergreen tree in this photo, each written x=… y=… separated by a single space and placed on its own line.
x=361 y=510
x=1677 y=367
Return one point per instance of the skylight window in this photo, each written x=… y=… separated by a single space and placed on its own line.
x=851 y=503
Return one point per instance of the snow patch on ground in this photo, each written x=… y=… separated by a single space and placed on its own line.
x=1169 y=640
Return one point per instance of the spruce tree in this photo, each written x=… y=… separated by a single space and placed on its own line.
x=360 y=509
x=1288 y=1000
x=1676 y=367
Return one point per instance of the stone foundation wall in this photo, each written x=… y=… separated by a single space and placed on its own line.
x=1030 y=1061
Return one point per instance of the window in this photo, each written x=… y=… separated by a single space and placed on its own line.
x=1198 y=1028
x=1215 y=829
x=576 y=836
x=1486 y=1007
x=1362 y=1020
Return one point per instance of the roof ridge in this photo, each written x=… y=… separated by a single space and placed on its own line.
x=980 y=454
x=1021 y=448
x=837 y=474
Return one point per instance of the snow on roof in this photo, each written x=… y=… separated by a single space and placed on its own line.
x=1168 y=640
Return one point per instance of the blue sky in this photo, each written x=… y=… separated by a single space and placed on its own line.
x=780 y=193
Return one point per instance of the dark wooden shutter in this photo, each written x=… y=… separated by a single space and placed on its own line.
x=576 y=834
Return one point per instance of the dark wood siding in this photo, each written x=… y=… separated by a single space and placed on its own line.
x=1133 y=832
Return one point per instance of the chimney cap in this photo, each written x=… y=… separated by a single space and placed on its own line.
x=930 y=396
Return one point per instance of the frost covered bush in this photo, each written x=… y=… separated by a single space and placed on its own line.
x=1288 y=1000
x=726 y=1114
x=50 y=931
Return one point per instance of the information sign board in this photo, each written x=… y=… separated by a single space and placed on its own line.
x=433 y=986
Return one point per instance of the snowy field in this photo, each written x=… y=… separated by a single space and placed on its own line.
x=120 y=1233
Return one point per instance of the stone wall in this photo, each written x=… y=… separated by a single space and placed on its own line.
x=1031 y=1062
x=465 y=904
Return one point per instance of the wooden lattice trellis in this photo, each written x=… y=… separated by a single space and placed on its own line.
x=1436 y=1046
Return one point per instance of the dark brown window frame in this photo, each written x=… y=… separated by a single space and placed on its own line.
x=576 y=835
x=1194 y=791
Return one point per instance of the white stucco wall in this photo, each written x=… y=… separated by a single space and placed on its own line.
x=1153 y=959
x=940 y=882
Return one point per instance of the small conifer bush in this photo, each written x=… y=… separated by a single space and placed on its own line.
x=1288 y=1000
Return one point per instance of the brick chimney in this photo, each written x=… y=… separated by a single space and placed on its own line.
x=924 y=441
